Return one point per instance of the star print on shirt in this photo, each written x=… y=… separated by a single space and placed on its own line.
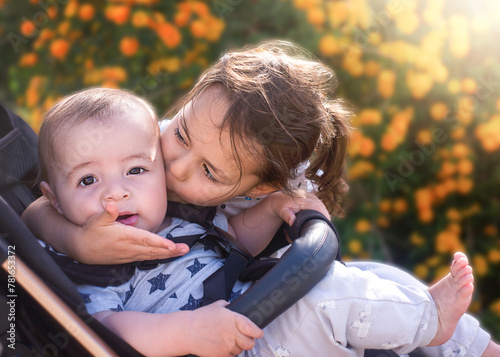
x=173 y=296
x=158 y=282
x=117 y=308
x=195 y=268
x=128 y=294
x=192 y=303
x=86 y=298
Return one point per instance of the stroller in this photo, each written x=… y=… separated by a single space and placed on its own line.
x=45 y=314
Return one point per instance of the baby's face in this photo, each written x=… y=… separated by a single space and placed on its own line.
x=199 y=163
x=118 y=162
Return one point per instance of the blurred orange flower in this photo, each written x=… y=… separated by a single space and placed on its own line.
x=355 y=246
x=480 y=265
x=370 y=116
x=372 y=68
x=385 y=205
x=367 y=147
x=360 y=169
x=385 y=83
x=389 y=142
x=469 y=85
x=200 y=8
x=362 y=226
x=400 y=205
x=141 y=19
x=198 y=29
x=28 y=59
x=59 y=48
x=448 y=168
x=71 y=8
x=465 y=166
x=86 y=12
x=448 y=242
x=426 y=215
x=215 y=27
x=460 y=150
x=169 y=34
x=316 y=16
x=439 y=111
x=419 y=83
x=118 y=14
x=424 y=198
x=181 y=19
x=129 y=46
x=453 y=214
x=494 y=255
x=28 y=28
x=329 y=45
x=464 y=185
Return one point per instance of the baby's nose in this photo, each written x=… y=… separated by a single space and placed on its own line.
x=116 y=192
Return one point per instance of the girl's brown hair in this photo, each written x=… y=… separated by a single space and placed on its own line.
x=282 y=108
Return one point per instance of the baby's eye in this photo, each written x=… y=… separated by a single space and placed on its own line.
x=87 y=181
x=208 y=174
x=136 y=171
x=179 y=137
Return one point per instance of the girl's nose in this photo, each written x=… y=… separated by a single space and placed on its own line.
x=180 y=167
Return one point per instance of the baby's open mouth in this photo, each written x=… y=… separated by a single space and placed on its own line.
x=128 y=218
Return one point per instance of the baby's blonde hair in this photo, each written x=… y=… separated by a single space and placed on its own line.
x=96 y=104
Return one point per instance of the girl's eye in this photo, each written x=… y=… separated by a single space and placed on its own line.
x=136 y=171
x=87 y=181
x=208 y=174
x=179 y=137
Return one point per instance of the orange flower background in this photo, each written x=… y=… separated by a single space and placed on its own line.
x=423 y=78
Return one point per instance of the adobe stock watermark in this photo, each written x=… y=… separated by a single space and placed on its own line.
x=407 y=165
x=379 y=20
x=150 y=81
x=59 y=341
x=221 y=7
x=39 y=20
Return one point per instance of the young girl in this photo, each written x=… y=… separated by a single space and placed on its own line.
x=248 y=128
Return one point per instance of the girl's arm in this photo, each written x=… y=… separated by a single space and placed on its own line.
x=209 y=331
x=255 y=227
x=101 y=240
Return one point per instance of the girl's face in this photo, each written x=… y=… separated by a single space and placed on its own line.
x=199 y=164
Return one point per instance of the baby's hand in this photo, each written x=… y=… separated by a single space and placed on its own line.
x=105 y=241
x=221 y=332
x=286 y=206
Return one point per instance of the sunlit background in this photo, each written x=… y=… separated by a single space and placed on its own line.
x=423 y=78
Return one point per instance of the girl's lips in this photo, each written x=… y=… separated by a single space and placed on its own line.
x=128 y=219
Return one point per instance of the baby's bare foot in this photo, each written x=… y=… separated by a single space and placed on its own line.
x=452 y=296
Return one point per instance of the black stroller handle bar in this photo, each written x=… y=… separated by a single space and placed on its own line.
x=300 y=268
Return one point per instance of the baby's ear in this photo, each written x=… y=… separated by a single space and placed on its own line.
x=49 y=194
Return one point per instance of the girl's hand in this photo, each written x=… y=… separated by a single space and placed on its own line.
x=221 y=332
x=102 y=240
x=286 y=206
